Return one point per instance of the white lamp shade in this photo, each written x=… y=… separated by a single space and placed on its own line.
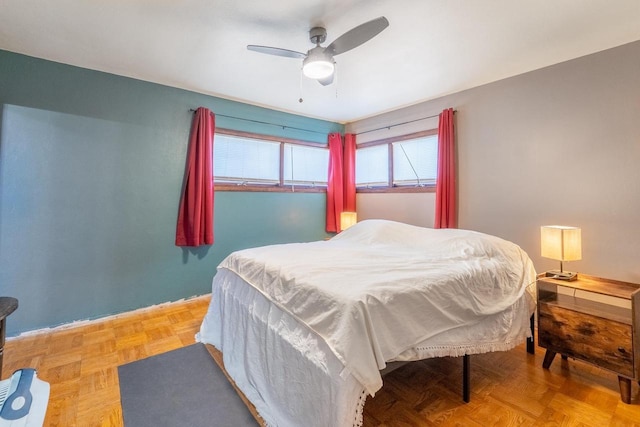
x=347 y=219
x=561 y=242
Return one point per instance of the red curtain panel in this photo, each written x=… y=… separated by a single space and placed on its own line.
x=446 y=215
x=195 y=214
x=349 y=172
x=335 y=184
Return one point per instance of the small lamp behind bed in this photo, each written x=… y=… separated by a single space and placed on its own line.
x=347 y=219
x=562 y=243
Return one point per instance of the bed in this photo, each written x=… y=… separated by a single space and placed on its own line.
x=306 y=328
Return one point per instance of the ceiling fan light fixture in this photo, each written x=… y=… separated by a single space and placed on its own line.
x=317 y=65
x=318 y=69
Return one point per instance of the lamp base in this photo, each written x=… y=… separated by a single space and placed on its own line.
x=561 y=275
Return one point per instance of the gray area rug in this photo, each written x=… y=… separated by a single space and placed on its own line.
x=183 y=387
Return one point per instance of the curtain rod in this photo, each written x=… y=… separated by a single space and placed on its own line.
x=266 y=123
x=400 y=124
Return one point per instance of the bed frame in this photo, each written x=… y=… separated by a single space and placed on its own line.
x=466 y=365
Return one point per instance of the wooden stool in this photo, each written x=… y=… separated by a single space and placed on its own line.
x=7 y=306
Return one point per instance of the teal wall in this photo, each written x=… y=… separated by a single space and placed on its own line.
x=91 y=167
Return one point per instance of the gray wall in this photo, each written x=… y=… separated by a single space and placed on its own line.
x=411 y=208
x=91 y=168
x=559 y=145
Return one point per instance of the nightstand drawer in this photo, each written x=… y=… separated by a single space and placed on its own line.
x=604 y=342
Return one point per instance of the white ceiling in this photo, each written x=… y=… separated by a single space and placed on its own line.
x=431 y=48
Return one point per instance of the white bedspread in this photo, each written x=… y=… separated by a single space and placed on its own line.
x=286 y=370
x=380 y=288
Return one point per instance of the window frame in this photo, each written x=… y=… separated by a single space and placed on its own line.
x=279 y=187
x=390 y=187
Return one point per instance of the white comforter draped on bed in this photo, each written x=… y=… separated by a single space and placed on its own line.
x=379 y=288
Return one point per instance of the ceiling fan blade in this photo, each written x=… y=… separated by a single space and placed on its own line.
x=357 y=36
x=276 y=51
x=327 y=80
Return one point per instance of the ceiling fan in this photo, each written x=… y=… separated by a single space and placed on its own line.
x=318 y=62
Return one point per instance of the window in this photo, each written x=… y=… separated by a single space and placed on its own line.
x=415 y=161
x=304 y=165
x=245 y=161
x=250 y=162
x=372 y=166
x=407 y=163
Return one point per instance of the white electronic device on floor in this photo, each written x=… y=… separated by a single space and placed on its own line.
x=23 y=399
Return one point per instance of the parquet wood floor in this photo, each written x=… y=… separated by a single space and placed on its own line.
x=81 y=362
x=508 y=388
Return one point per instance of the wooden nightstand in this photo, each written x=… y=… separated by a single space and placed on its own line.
x=592 y=319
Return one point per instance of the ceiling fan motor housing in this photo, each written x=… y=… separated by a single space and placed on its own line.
x=317 y=35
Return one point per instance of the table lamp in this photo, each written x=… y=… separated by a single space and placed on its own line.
x=561 y=243
x=347 y=219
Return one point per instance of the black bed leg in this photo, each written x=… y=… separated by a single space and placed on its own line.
x=466 y=378
x=530 y=345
